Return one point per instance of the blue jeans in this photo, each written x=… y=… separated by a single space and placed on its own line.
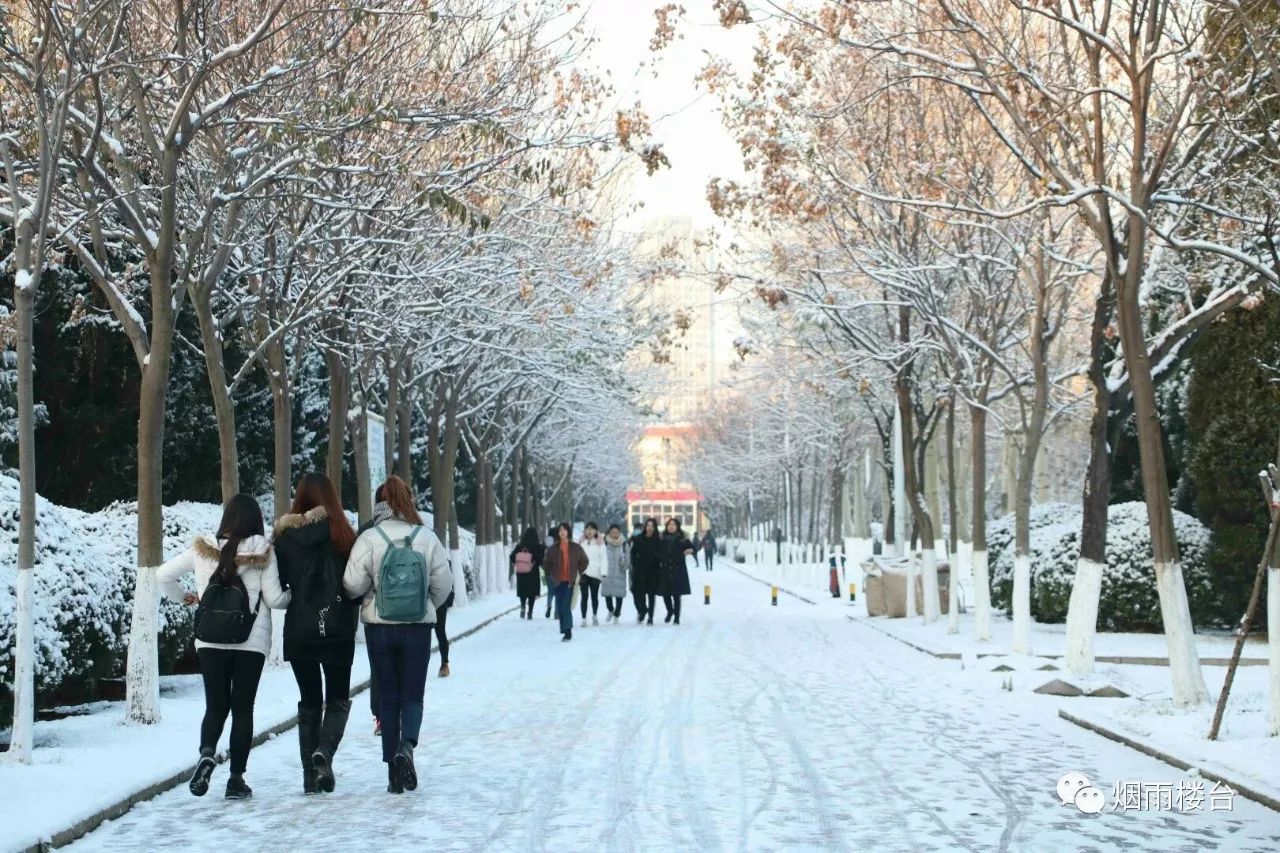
x=564 y=594
x=399 y=654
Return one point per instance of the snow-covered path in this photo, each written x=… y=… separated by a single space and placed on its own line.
x=748 y=727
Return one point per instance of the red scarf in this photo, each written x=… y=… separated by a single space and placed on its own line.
x=564 y=560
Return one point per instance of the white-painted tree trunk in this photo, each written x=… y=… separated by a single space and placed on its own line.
x=931 y=605
x=911 y=583
x=1022 y=604
x=142 y=675
x=1184 y=660
x=901 y=547
x=1082 y=616
x=960 y=570
x=24 y=699
x=981 y=597
x=459 y=576
x=1273 y=644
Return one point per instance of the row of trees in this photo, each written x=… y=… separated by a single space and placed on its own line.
x=408 y=200
x=986 y=213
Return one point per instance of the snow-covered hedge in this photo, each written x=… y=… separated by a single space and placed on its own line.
x=84 y=578
x=1128 y=600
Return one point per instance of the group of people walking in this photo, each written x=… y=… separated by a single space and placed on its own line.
x=392 y=575
x=649 y=563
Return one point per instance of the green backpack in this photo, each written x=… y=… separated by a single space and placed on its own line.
x=401 y=595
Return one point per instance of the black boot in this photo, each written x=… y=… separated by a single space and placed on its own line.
x=199 y=784
x=393 y=780
x=335 y=723
x=308 y=740
x=237 y=789
x=402 y=761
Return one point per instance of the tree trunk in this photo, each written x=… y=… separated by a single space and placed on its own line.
x=920 y=512
x=339 y=397
x=404 y=447
x=1086 y=588
x=360 y=447
x=224 y=411
x=392 y=416
x=1184 y=662
x=981 y=576
x=24 y=680
x=282 y=419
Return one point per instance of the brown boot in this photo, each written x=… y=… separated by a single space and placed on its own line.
x=444 y=670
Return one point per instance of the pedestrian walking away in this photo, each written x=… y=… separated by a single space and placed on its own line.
x=597 y=559
x=237 y=584
x=645 y=574
x=442 y=629
x=312 y=543
x=674 y=571
x=549 y=543
x=402 y=572
x=564 y=564
x=708 y=549
x=697 y=549
x=526 y=562
x=617 y=566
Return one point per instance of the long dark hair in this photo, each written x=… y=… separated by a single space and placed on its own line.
x=241 y=518
x=529 y=540
x=644 y=531
x=315 y=489
x=568 y=528
x=679 y=529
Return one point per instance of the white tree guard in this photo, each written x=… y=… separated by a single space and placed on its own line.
x=142 y=671
x=932 y=612
x=1273 y=646
x=1082 y=616
x=981 y=597
x=24 y=676
x=1022 y=604
x=1184 y=661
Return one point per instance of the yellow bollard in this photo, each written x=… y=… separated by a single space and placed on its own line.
x=774 y=594
x=853 y=592
x=706 y=594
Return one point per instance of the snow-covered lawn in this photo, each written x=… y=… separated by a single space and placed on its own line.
x=86 y=763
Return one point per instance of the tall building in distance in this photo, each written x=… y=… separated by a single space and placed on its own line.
x=702 y=329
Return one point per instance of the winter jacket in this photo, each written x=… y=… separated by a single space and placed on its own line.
x=307 y=559
x=256 y=566
x=672 y=567
x=597 y=558
x=708 y=543
x=645 y=551
x=617 y=565
x=577 y=564
x=529 y=585
x=361 y=575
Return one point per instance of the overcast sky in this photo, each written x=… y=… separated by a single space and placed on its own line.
x=686 y=120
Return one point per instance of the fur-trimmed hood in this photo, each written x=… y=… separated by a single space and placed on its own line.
x=292 y=520
x=253 y=553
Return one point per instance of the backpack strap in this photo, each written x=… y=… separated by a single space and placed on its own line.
x=382 y=533
x=408 y=542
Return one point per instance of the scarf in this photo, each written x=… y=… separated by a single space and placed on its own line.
x=381 y=512
x=564 y=560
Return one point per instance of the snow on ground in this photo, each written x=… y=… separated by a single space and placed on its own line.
x=86 y=763
x=1243 y=750
x=748 y=727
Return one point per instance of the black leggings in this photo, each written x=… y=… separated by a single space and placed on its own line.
x=311 y=694
x=673 y=604
x=613 y=604
x=645 y=602
x=590 y=585
x=230 y=686
x=442 y=634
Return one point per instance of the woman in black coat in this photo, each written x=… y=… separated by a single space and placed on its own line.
x=312 y=543
x=673 y=573
x=528 y=584
x=645 y=573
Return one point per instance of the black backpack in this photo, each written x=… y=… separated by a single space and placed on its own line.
x=224 y=616
x=317 y=610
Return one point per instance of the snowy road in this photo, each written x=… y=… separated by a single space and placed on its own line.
x=749 y=727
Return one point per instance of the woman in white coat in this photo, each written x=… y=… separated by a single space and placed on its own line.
x=593 y=547
x=399 y=649
x=234 y=565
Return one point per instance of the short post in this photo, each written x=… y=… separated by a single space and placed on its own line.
x=706 y=594
x=853 y=592
x=773 y=592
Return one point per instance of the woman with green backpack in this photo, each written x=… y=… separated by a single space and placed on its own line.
x=402 y=571
x=236 y=585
